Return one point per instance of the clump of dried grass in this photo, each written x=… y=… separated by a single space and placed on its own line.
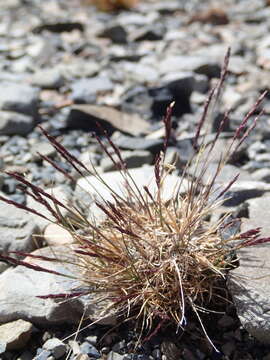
x=155 y=260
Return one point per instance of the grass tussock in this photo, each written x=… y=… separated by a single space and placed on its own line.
x=155 y=259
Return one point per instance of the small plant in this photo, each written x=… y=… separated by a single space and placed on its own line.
x=155 y=260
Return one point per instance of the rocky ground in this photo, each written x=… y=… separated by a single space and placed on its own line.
x=67 y=66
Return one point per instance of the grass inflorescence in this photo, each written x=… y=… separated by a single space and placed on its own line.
x=154 y=259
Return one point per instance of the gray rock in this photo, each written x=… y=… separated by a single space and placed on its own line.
x=199 y=64
x=249 y=286
x=20 y=286
x=92 y=187
x=133 y=159
x=151 y=32
x=138 y=143
x=48 y=79
x=14 y=123
x=249 y=283
x=16 y=228
x=61 y=193
x=43 y=355
x=85 y=90
x=56 y=347
x=3 y=347
x=44 y=148
x=89 y=349
x=244 y=190
x=21 y=98
x=261 y=175
x=116 y=33
x=115 y=356
x=140 y=73
x=15 y=334
x=86 y=117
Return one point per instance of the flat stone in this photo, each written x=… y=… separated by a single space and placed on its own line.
x=249 y=286
x=22 y=286
x=85 y=90
x=133 y=159
x=249 y=283
x=15 y=334
x=16 y=228
x=21 y=98
x=139 y=143
x=93 y=188
x=14 y=123
x=44 y=148
x=199 y=64
x=261 y=175
x=48 y=79
x=86 y=117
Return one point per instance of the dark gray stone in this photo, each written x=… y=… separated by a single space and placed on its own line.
x=116 y=33
x=13 y=123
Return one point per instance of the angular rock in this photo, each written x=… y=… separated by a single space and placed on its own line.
x=199 y=64
x=249 y=283
x=16 y=228
x=151 y=32
x=42 y=147
x=56 y=347
x=139 y=143
x=21 y=98
x=43 y=355
x=14 y=123
x=261 y=175
x=249 y=286
x=244 y=190
x=92 y=188
x=86 y=116
x=133 y=159
x=85 y=90
x=178 y=87
x=140 y=73
x=15 y=334
x=22 y=285
x=116 y=33
x=48 y=79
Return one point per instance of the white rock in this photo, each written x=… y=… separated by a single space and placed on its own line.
x=56 y=235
